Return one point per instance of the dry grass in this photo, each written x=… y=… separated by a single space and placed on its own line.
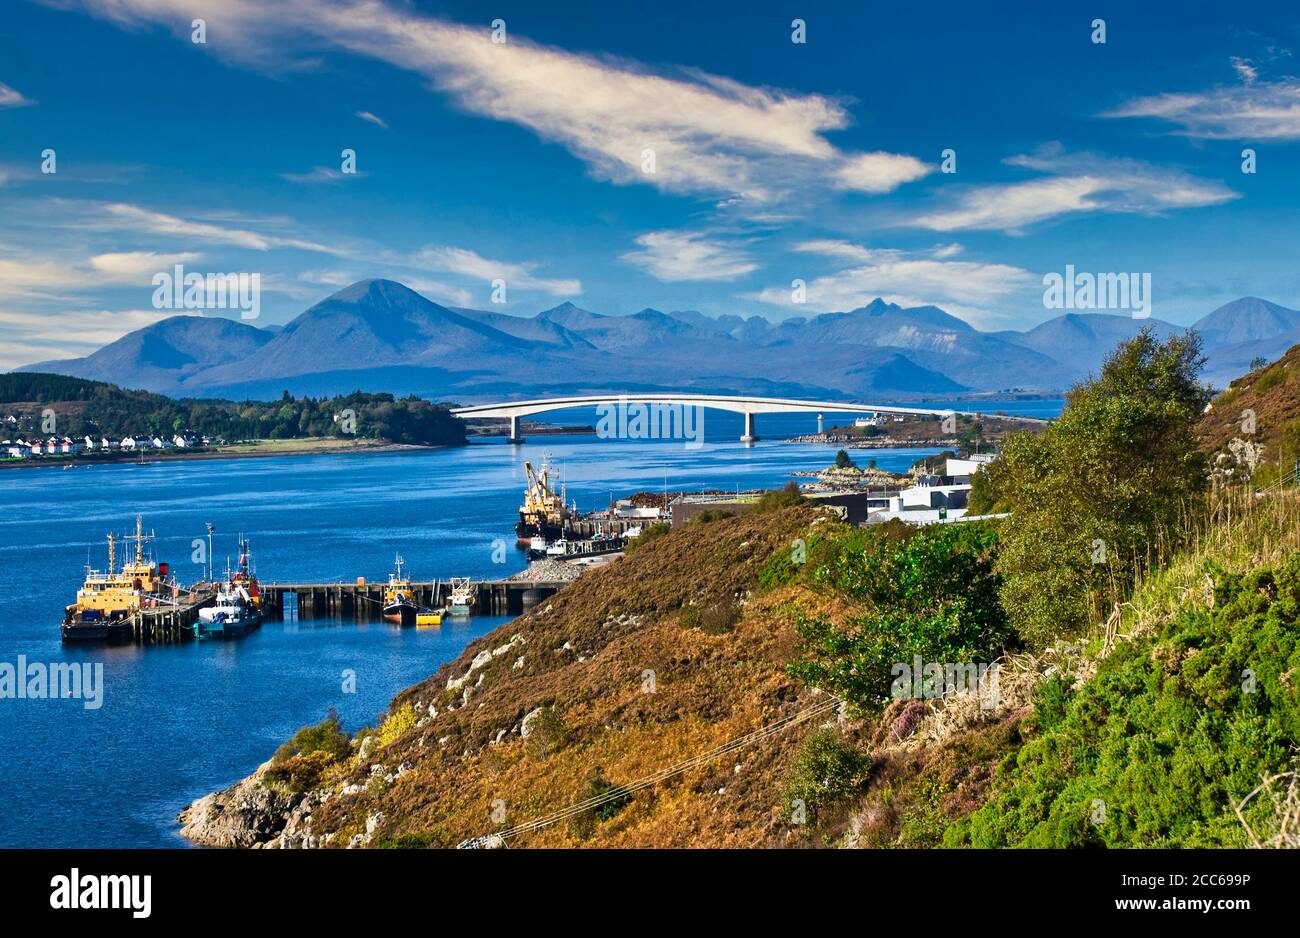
x=586 y=654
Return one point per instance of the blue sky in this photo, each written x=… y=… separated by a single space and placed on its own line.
x=525 y=160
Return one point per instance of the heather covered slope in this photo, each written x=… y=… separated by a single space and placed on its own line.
x=1261 y=409
x=452 y=745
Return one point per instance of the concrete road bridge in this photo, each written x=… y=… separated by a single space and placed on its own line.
x=748 y=406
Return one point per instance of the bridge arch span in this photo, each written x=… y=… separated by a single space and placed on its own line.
x=740 y=404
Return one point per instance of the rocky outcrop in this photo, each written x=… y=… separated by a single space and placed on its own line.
x=248 y=814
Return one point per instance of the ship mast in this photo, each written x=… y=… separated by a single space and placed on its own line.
x=139 y=540
x=111 y=542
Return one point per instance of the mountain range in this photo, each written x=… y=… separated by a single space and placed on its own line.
x=378 y=335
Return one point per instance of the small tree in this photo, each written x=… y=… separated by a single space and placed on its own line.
x=842 y=461
x=1097 y=495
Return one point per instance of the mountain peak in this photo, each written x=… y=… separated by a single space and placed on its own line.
x=1248 y=319
x=374 y=289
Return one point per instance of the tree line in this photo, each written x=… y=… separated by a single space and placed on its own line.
x=95 y=408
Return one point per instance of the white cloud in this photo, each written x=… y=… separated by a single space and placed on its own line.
x=710 y=135
x=1245 y=69
x=517 y=275
x=1013 y=206
x=10 y=97
x=880 y=172
x=673 y=256
x=320 y=174
x=135 y=264
x=966 y=288
x=121 y=216
x=1081 y=182
x=1254 y=110
x=377 y=121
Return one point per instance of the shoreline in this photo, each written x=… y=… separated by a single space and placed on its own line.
x=168 y=457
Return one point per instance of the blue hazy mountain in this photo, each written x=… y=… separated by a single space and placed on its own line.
x=379 y=335
x=164 y=355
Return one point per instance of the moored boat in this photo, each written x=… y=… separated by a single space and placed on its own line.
x=237 y=609
x=461 y=600
x=543 y=513
x=399 y=607
x=108 y=600
x=233 y=614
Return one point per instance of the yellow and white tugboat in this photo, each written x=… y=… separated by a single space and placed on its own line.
x=398 y=605
x=108 y=600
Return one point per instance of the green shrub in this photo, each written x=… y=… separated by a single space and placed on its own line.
x=713 y=619
x=584 y=823
x=931 y=591
x=710 y=515
x=652 y=533
x=325 y=737
x=1175 y=729
x=300 y=764
x=775 y=500
x=826 y=771
x=547 y=733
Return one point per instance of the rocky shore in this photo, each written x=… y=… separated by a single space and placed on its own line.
x=248 y=815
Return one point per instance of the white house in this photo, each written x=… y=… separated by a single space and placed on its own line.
x=159 y=443
x=961 y=470
x=128 y=442
x=18 y=452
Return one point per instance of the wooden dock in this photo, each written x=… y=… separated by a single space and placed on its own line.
x=364 y=601
x=163 y=623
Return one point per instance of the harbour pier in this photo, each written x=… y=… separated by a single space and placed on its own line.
x=364 y=601
x=163 y=622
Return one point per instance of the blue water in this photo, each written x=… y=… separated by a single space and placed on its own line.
x=182 y=720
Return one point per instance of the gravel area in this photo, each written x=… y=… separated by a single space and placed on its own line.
x=549 y=569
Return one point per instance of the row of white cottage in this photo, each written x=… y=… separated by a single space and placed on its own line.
x=21 y=449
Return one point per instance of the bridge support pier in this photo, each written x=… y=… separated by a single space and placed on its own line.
x=750 y=436
x=514 y=431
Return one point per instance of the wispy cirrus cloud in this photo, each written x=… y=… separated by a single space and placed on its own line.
x=373 y=119
x=11 y=97
x=1076 y=183
x=676 y=256
x=1252 y=110
x=320 y=174
x=127 y=217
x=135 y=264
x=708 y=135
x=516 y=274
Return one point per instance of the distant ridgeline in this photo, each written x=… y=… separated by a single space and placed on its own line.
x=95 y=408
